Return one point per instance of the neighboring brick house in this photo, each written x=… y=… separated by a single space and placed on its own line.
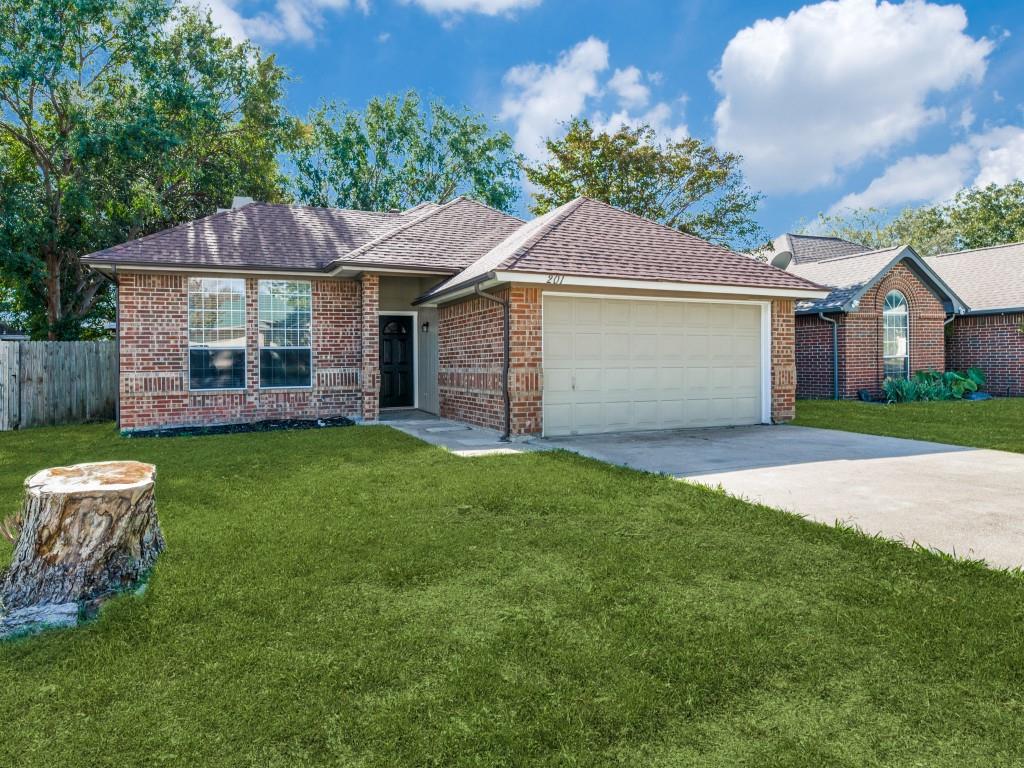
x=990 y=336
x=587 y=319
x=884 y=317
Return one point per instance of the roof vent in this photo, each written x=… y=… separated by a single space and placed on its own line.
x=240 y=202
x=782 y=259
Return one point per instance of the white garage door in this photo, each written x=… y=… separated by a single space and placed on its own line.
x=616 y=365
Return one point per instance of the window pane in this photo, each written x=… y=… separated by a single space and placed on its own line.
x=216 y=333
x=285 y=368
x=285 y=333
x=216 y=368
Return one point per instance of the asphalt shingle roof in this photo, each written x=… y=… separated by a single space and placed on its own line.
x=448 y=238
x=292 y=237
x=589 y=238
x=987 y=279
x=810 y=248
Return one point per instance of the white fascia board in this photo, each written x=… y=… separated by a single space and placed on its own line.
x=657 y=285
x=467 y=290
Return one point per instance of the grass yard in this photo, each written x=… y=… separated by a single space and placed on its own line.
x=995 y=424
x=351 y=597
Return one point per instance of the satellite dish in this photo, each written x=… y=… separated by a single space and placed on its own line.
x=782 y=259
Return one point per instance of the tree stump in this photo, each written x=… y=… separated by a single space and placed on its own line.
x=89 y=531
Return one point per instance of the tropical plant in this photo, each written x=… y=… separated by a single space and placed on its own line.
x=931 y=385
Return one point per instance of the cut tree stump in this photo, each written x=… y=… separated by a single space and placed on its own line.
x=89 y=531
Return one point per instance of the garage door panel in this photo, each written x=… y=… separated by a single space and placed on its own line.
x=624 y=364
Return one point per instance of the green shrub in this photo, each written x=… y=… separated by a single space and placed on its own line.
x=932 y=385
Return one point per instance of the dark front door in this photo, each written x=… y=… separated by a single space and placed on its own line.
x=396 y=372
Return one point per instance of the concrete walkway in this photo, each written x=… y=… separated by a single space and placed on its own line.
x=461 y=439
x=963 y=501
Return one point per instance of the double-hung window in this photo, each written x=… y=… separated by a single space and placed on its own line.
x=216 y=333
x=286 y=355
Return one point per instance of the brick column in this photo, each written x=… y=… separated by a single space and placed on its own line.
x=525 y=385
x=783 y=360
x=370 y=347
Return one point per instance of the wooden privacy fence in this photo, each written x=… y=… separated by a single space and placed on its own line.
x=56 y=382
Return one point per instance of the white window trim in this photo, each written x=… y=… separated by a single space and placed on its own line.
x=415 y=315
x=766 y=338
x=188 y=331
x=906 y=302
x=260 y=347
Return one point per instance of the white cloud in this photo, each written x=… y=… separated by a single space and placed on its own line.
x=539 y=97
x=486 y=7
x=806 y=96
x=383 y=37
x=294 y=20
x=1000 y=156
x=543 y=95
x=628 y=85
x=921 y=178
x=993 y=157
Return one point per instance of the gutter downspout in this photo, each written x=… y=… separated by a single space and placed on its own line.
x=835 y=353
x=506 y=332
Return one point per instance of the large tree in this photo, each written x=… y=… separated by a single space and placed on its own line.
x=119 y=118
x=686 y=184
x=974 y=218
x=399 y=152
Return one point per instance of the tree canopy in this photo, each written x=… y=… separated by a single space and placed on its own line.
x=974 y=218
x=399 y=152
x=686 y=184
x=119 y=118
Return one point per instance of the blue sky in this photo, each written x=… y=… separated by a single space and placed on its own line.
x=833 y=104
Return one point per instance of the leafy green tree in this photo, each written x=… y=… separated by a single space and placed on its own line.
x=119 y=118
x=398 y=153
x=926 y=229
x=974 y=218
x=687 y=185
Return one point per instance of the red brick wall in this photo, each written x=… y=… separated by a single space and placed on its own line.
x=370 y=335
x=153 y=313
x=860 y=339
x=471 y=355
x=993 y=343
x=783 y=360
x=813 y=358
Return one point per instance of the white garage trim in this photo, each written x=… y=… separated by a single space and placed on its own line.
x=656 y=285
x=766 y=334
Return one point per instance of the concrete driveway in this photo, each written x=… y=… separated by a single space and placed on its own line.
x=963 y=501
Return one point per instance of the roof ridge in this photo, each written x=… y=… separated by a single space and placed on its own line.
x=857 y=255
x=824 y=237
x=394 y=231
x=973 y=250
x=571 y=207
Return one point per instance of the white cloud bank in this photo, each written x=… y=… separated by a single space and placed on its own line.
x=290 y=20
x=805 y=96
x=486 y=7
x=992 y=157
x=539 y=97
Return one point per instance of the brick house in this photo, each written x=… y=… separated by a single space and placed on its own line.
x=885 y=315
x=587 y=319
x=990 y=335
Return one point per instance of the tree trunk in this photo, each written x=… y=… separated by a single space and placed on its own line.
x=89 y=531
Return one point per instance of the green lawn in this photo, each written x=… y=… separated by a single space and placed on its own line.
x=995 y=424
x=351 y=597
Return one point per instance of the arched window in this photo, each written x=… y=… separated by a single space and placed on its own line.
x=896 y=336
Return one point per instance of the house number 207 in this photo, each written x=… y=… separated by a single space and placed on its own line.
x=556 y=279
